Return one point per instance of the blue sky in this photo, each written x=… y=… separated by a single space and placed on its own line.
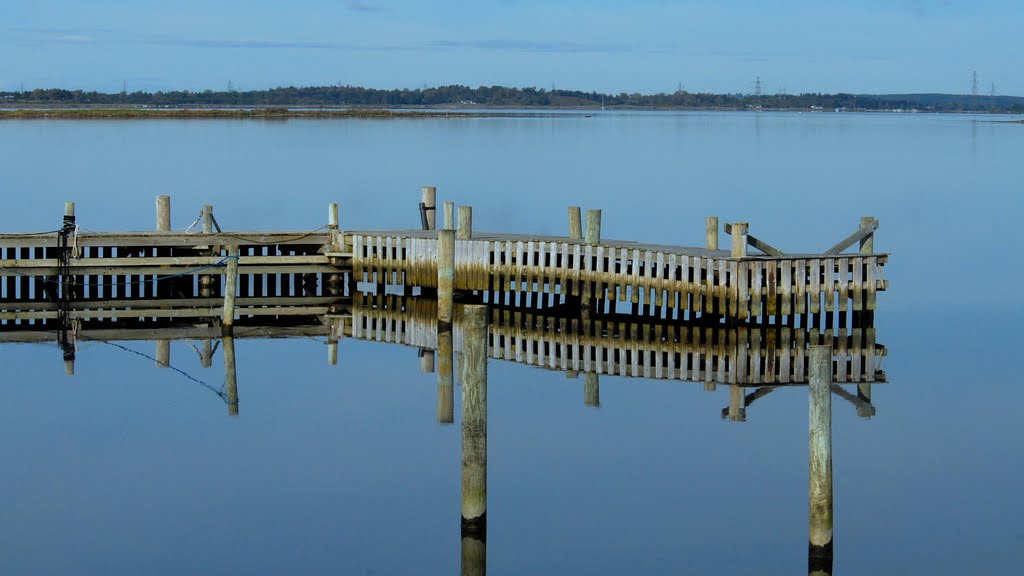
x=879 y=46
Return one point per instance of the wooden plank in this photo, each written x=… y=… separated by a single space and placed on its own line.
x=800 y=272
x=786 y=287
x=830 y=284
x=858 y=284
x=815 y=291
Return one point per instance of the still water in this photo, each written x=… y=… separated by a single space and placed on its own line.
x=126 y=468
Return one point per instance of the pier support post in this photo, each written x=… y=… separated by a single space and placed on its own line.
x=206 y=219
x=591 y=390
x=867 y=243
x=445 y=378
x=593 y=227
x=428 y=203
x=230 y=375
x=465 y=231
x=474 y=556
x=445 y=277
x=711 y=233
x=449 y=215
x=163 y=213
x=575 y=223
x=739 y=239
x=820 y=461
x=474 y=421
x=230 y=288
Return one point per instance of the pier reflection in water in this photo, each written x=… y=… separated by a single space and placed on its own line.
x=749 y=361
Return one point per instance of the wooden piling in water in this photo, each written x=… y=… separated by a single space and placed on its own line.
x=593 y=233
x=428 y=198
x=449 y=215
x=230 y=374
x=332 y=352
x=465 y=230
x=445 y=378
x=230 y=288
x=820 y=460
x=575 y=223
x=206 y=353
x=427 y=361
x=711 y=233
x=163 y=213
x=591 y=390
x=739 y=239
x=474 y=420
x=445 y=277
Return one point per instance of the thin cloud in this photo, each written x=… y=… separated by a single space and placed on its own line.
x=61 y=36
x=504 y=45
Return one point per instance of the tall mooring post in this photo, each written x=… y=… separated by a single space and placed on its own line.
x=711 y=233
x=739 y=239
x=820 y=460
x=428 y=207
x=465 y=230
x=474 y=420
x=449 y=215
x=445 y=277
x=230 y=289
x=575 y=223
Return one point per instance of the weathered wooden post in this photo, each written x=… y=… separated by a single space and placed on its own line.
x=820 y=460
x=465 y=231
x=230 y=288
x=449 y=215
x=445 y=277
x=428 y=204
x=474 y=421
x=739 y=239
x=332 y=216
x=206 y=280
x=591 y=390
x=163 y=224
x=575 y=223
x=593 y=227
x=445 y=378
x=711 y=233
x=230 y=376
x=163 y=213
x=867 y=243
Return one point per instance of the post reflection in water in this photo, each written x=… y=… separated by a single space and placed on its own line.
x=474 y=440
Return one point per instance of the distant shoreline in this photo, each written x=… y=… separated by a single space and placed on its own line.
x=100 y=112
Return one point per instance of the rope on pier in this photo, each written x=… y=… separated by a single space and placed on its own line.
x=219 y=392
x=223 y=261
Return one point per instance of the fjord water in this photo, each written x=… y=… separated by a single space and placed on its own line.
x=130 y=469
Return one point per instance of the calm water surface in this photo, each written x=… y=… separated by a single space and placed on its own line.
x=129 y=469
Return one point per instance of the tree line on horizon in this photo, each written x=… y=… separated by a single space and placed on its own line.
x=459 y=95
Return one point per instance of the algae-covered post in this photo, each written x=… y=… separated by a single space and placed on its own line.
x=445 y=378
x=575 y=223
x=230 y=287
x=465 y=231
x=820 y=460
x=230 y=375
x=739 y=231
x=593 y=227
x=591 y=390
x=711 y=233
x=445 y=276
x=474 y=420
x=449 y=215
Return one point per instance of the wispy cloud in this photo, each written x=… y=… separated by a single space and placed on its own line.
x=357 y=6
x=512 y=45
x=64 y=36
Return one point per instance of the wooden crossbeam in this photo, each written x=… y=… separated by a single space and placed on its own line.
x=757 y=243
x=852 y=239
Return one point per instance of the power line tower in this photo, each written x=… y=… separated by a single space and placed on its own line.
x=757 y=86
x=993 y=91
x=974 y=83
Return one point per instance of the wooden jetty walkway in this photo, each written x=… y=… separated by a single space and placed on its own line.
x=50 y=280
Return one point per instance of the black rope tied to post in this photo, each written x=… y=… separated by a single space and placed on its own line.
x=424 y=223
x=67 y=286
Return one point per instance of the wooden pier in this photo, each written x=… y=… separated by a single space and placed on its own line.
x=612 y=307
